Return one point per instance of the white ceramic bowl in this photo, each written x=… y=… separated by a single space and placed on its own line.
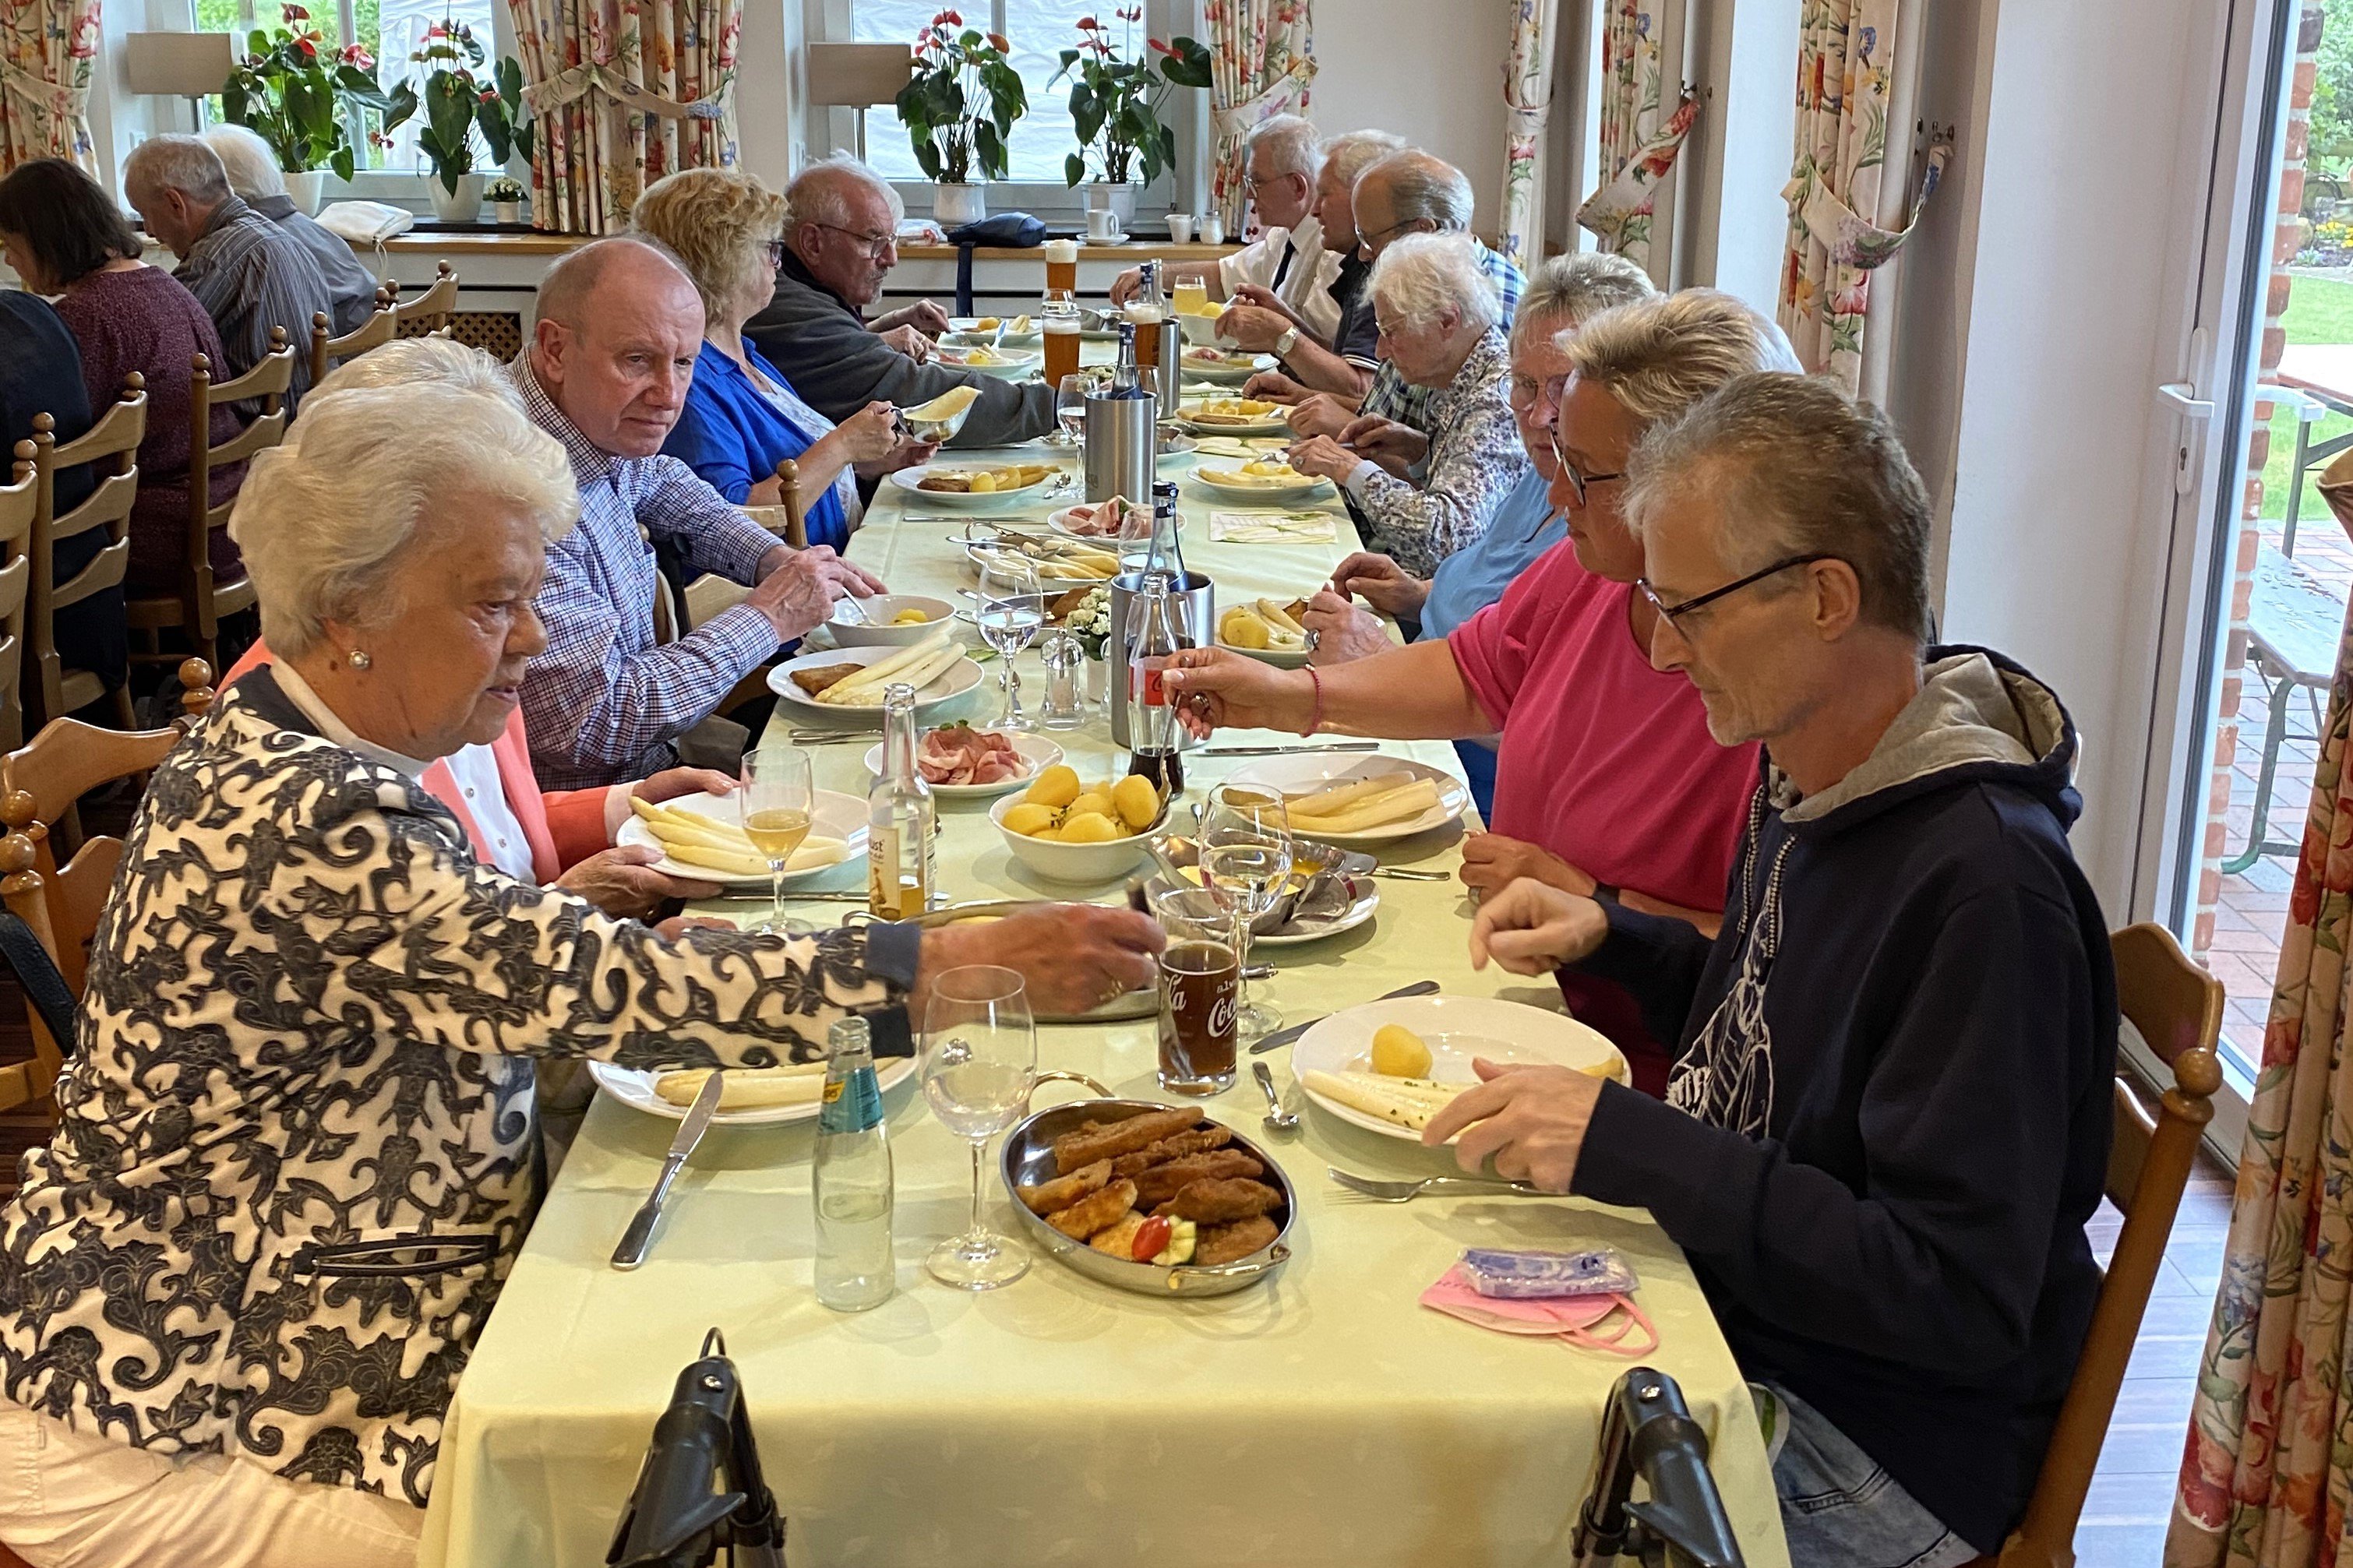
x=1200 y=331
x=876 y=631
x=1074 y=864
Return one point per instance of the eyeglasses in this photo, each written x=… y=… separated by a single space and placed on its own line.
x=1672 y=613
x=875 y=244
x=1369 y=241
x=775 y=249
x=1523 y=393
x=1579 y=481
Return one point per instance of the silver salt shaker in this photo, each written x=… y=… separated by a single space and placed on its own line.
x=1066 y=697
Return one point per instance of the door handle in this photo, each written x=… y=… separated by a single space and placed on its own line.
x=2186 y=402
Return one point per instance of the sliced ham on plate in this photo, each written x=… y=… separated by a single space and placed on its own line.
x=960 y=754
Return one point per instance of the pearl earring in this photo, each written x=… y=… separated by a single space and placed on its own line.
x=359 y=660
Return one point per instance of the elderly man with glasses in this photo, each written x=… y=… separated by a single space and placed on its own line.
x=1606 y=779
x=842 y=222
x=1890 y=1117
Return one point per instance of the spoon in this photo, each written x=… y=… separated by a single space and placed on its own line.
x=1277 y=1118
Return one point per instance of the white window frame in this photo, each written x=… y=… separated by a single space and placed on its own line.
x=1179 y=189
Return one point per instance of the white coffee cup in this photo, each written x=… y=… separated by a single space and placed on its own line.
x=1103 y=223
x=1213 y=228
x=1180 y=228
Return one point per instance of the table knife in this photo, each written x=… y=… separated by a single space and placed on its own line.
x=1287 y=751
x=640 y=1234
x=1285 y=1037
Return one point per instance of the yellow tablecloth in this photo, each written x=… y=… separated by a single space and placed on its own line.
x=1325 y=1418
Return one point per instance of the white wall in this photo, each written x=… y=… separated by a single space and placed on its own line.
x=1430 y=70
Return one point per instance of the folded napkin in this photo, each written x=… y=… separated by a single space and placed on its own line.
x=1597 y=1322
x=1272 y=528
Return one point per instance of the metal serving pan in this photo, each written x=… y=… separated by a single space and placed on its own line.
x=1028 y=1159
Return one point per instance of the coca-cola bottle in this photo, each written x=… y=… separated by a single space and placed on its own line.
x=1152 y=636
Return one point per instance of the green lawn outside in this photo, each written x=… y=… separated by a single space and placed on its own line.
x=2319 y=311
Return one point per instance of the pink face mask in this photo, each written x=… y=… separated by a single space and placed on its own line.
x=1597 y=1322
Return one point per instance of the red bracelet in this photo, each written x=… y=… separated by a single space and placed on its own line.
x=1316 y=717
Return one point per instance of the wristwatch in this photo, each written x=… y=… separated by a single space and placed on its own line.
x=1285 y=343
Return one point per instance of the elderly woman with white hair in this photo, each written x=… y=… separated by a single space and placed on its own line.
x=297 y=1155
x=1440 y=328
x=254 y=175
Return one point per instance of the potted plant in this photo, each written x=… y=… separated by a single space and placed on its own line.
x=1115 y=98
x=959 y=108
x=459 y=105
x=292 y=90
x=505 y=195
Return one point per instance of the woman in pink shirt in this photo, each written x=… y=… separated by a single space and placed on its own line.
x=1606 y=776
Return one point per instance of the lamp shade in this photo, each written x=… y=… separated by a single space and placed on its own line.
x=858 y=74
x=178 y=65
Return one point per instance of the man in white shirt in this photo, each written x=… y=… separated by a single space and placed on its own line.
x=1288 y=259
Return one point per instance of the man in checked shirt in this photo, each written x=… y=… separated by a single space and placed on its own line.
x=606 y=373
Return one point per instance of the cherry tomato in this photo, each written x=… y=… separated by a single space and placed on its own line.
x=1151 y=1240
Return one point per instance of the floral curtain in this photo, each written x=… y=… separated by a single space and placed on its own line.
x=1845 y=65
x=2264 y=1479
x=1261 y=57
x=1637 y=146
x=1527 y=105
x=624 y=91
x=45 y=50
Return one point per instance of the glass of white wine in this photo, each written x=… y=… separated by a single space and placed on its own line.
x=1246 y=857
x=1012 y=611
x=780 y=805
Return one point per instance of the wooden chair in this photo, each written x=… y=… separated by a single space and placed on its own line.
x=17 y=503
x=108 y=505
x=382 y=326
x=38 y=786
x=2177 y=1008
x=433 y=307
x=197 y=608
x=788 y=518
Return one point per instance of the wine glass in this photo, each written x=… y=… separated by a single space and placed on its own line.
x=1070 y=405
x=1246 y=856
x=980 y=1059
x=1011 y=612
x=778 y=804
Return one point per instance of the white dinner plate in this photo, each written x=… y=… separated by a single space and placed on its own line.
x=1189 y=413
x=1226 y=368
x=1456 y=1030
x=841 y=816
x=1037 y=750
x=1302 y=775
x=911 y=481
x=1060 y=522
x=1048 y=574
x=941 y=689
x=1281 y=658
x=1300 y=488
x=1009 y=364
x=635 y=1088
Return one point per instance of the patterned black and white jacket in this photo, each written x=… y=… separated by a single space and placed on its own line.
x=297 y=1155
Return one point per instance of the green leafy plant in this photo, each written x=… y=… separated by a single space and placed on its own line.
x=1115 y=98
x=505 y=188
x=960 y=105
x=291 y=90
x=459 y=105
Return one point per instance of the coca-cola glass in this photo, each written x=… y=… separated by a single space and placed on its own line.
x=1200 y=976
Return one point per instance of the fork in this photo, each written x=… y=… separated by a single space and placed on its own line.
x=1406 y=1192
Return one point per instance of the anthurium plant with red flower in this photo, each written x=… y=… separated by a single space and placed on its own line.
x=461 y=101
x=960 y=104
x=1116 y=93
x=291 y=90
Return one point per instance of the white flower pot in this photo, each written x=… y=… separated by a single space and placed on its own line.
x=1120 y=199
x=953 y=204
x=507 y=212
x=463 y=205
x=306 y=186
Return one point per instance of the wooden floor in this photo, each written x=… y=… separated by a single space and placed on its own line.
x=2132 y=1496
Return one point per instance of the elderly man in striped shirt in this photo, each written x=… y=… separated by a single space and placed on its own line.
x=248 y=274
x=611 y=356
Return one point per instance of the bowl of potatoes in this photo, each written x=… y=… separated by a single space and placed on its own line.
x=1067 y=831
x=888 y=620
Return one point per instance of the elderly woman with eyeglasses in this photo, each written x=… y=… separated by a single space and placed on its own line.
x=741 y=418
x=1440 y=327
x=1607 y=779
x=297 y=1155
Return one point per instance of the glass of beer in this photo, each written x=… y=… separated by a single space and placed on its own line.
x=1061 y=264
x=1058 y=320
x=778 y=805
x=1200 y=974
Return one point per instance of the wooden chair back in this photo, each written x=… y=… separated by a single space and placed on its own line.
x=2178 y=1009
x=201 y=602
x=433 y=307
x=17 y=503
x=112 y=447
x=382 y=326
x=40 y=783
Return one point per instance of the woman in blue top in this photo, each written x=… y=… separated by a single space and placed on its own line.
x=741 y=418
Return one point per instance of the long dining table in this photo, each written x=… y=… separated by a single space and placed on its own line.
x=1323 y=1417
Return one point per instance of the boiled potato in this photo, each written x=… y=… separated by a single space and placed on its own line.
x=1056 y=787
x=1030 y=821
x=1090 y=828
x=1137 y=802
x=1097 y=799
x=1239 y=628
x=984 y=483
x=1398 y=1052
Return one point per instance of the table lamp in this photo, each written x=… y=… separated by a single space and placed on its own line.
x=192 y=66
x=859 y=76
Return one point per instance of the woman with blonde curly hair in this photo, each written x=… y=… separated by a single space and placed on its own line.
x=742 y=416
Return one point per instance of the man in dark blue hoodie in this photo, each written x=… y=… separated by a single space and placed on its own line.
x=1890 y=1116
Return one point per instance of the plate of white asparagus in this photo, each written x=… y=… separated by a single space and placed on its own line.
x=1390 y=1067
x=1358 y=799
x=849 y=682
x=748 y=1097
x=701 y=836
